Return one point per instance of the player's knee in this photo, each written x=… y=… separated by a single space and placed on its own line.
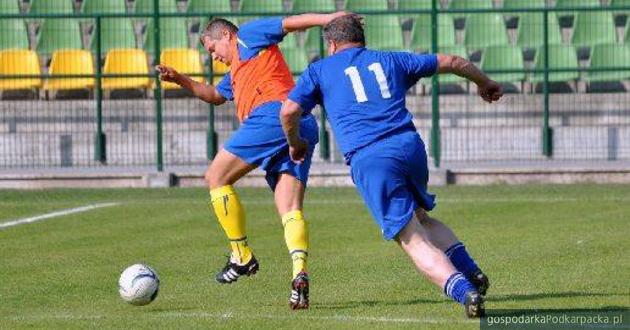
x=213 y=179
x=423 y=217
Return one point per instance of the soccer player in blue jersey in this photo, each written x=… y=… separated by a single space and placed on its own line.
x=363 y=92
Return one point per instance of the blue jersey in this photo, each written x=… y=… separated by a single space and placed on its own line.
x=363 y=92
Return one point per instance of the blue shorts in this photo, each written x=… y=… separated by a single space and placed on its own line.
x=260 y=141
x=392 y=176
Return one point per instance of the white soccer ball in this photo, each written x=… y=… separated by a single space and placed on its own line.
x=138 y=284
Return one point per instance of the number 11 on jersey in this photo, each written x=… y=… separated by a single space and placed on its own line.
x=357 y=84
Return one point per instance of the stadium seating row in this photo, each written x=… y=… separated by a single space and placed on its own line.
x=146 y=6
x=134 y=62
x=383 y=32
x=123 y=61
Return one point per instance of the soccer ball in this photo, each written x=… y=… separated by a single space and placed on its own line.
x=138 y=284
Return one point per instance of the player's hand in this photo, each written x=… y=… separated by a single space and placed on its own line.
x=298 y=151
x=167 y=73
x=490 y=92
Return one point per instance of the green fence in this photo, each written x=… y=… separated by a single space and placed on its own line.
x=565 y=70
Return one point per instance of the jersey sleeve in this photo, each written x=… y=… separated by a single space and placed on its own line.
x=256 y=35
x=307 y=90
x=225 y=87
x=416 y=66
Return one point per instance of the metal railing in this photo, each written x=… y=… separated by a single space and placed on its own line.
x=437 y=137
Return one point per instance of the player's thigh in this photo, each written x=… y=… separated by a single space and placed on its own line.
x=225 y=169
x=289 y=193
x=381 y=180
x=418 y=170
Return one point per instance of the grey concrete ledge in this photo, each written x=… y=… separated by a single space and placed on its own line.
x=322 y=175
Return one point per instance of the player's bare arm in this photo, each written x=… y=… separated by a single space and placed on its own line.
x=290 y=117
x=206 y=93
x=489 y=90
x=305 y=21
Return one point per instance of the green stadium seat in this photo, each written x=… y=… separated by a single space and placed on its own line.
x=415 y=4
x=619 y=3
x=51 y=7
x=312 y=39
x=362 y=5
x=567 y=16
x=621 y=15
x=309 y=6
x=531 y=31
x=9 y=7
x=57 y=34
x=289 y=41
x=577 y=3
x=207 y=6
x=627 y=32
x=115 y=33
x=103 y=6
x=592 y=28
x=504 y=58
x=421 y=32
x=146 y=7
x=383 y=32
x=606 y=56
x=257 y=6
x=520 y=4
x=483 y=30
x=468 y=4
x=560 y=57
x=449 y=78
x=173 y=34
x=296 y=59
x=13 y=34
x=523 y=4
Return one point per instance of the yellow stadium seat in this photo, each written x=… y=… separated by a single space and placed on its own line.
x=18 y=62
x=70 y=61
x=184 y=60
x=219 y=70
x=126 y=61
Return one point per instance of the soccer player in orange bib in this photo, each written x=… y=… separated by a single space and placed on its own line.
x=258 y=82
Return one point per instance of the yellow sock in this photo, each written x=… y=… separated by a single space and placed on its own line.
x=227 y=206
x=296 y=237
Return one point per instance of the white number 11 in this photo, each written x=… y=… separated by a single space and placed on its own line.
x=357 y=84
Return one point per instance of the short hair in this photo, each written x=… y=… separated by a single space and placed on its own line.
x=215 y=26
x=345 y=29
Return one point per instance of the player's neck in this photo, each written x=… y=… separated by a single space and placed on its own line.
x=349 y=45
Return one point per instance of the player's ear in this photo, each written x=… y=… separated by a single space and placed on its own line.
x=332 y=48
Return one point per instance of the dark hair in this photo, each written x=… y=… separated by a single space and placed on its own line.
x=345 y=29
x=215 y=26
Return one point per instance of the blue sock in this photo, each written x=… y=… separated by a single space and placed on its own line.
x=461 y=259
x=456 y=287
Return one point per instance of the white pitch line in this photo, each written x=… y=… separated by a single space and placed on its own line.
x=55 y=214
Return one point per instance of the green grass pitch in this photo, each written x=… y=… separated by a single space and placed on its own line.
x=542 y=246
